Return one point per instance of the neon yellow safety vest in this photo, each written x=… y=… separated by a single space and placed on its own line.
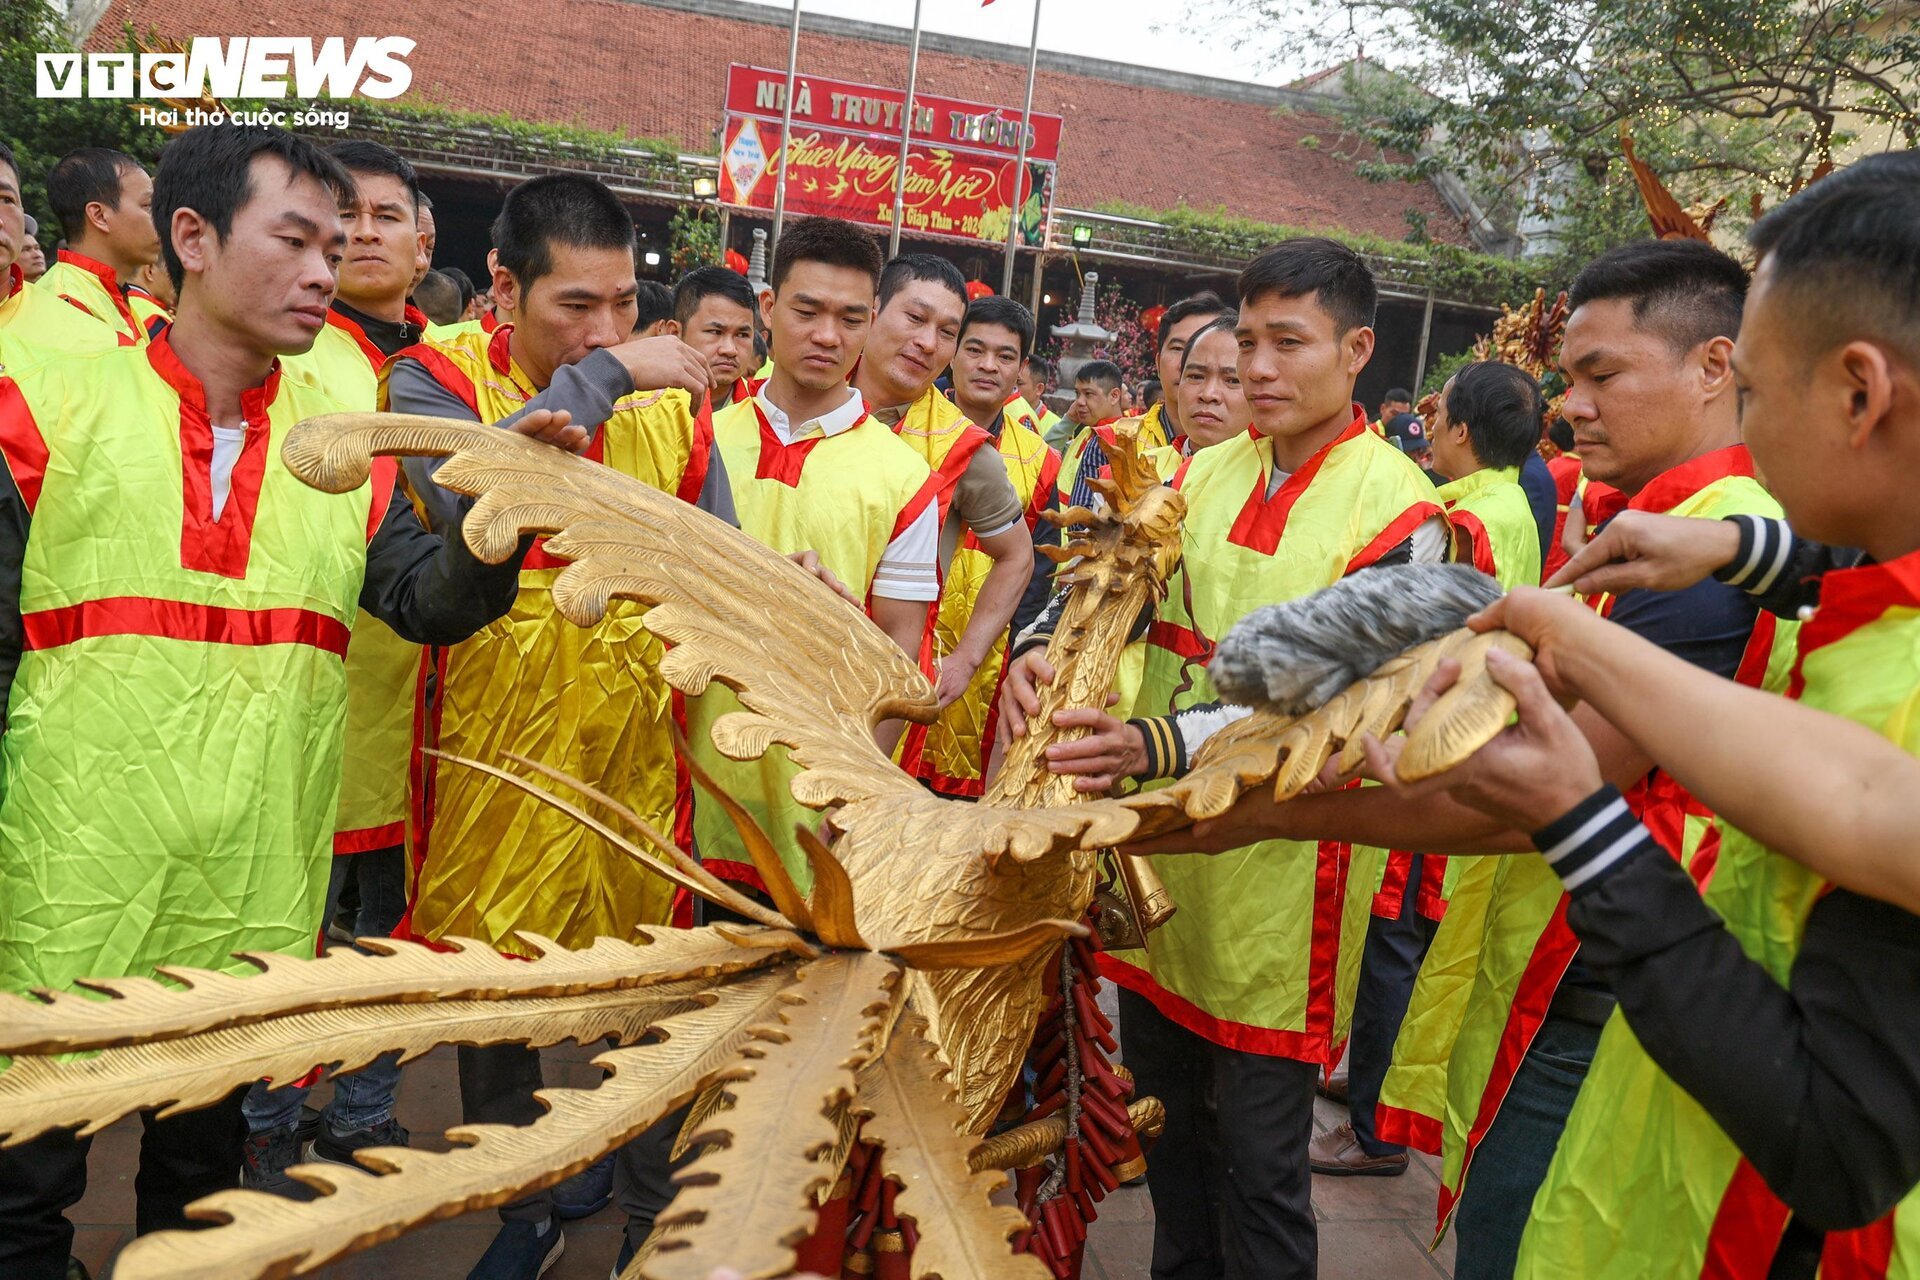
x=171 y=759
x=1493 y=530
x=92 y=286
x=148 y=311
x=585 y=700
x=383 y=671
x=36 y=325
x=1154 y=425
x=1250 y=959
x=951 y=753
x=1169 y=462
x=934 y=428
x=1491 y=972
x=441 y=332
x=1150 y=435
x=1668 y=1195
x=844 y=496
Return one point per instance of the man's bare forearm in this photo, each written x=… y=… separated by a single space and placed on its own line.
x=999 y=596
x=1377 y=816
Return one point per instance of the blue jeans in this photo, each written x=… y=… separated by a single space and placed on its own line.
x=1512 y=1159
x=364 y=1098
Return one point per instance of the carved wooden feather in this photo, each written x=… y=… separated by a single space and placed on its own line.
x=490 y=1165
x=40 y=1093
x=143 y=1010
x=814 y=674
x=926 y=1140
x=750 y=1198
x=1290 y=752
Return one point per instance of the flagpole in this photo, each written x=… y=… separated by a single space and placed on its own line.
x=1020 y=167
x=786 y=126
x=906 y=136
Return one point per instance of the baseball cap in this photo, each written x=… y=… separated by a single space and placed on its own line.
x=1407 y=431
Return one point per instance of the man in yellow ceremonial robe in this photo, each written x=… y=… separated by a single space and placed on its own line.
x=490 y=861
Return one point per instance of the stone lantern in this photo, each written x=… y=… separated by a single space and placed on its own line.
x=757 y=263
x=1077 y=343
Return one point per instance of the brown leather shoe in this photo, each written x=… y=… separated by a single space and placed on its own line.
x=1338 y=1154
x=1333 y=1088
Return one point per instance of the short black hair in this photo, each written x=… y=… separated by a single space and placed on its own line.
x=1041 y=368
x=1104 y=374
x=90 y=175
x=358 y=155
x=1847 y=251
x=557 y=208
x=1333 y=274
x=655 y=303
x=6 y=158
x=1397 y=395
x=1225 y=322
x=921 y=266
x=439 y=297
x=209 y=169
x=462 y=279
x=1560 y=431
x=1152 y=393
x=1204 y=303
x=702 y=283
x=1004 y=312
x=1501 y=407
x=1686 y=291
x=827 y=240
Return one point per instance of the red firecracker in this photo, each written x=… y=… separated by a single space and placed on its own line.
x=860 y=1233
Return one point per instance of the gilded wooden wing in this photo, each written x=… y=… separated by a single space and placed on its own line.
x=813 y=673
x=796 y=1034
x=1289 y=752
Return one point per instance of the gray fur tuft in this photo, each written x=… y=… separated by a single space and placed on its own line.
x=1294 y=656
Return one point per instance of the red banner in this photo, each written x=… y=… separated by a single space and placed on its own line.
x=961 y=161
x=872 y=110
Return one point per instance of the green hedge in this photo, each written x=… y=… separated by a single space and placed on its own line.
x=1454 y=272
x=578 y=136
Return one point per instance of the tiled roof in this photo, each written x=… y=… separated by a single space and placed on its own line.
x=660 y=72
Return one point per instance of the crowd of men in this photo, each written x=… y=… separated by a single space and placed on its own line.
x=1680 y=1043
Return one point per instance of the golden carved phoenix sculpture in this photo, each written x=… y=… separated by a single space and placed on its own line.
x=899 y=995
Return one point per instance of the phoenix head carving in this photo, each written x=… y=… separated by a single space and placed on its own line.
x=900 y=992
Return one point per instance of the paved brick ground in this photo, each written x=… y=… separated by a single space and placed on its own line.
x=1370 y=1228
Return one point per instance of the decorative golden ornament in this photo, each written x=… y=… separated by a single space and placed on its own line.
x=903 y=990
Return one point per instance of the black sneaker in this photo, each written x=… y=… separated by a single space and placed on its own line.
x=336 y=1147
x=265 y=1159
x=626 y=1256
x=522 y=1251
x=309 y=1127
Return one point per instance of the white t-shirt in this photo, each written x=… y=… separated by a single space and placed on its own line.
x=227 y=442
x=908 y=569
